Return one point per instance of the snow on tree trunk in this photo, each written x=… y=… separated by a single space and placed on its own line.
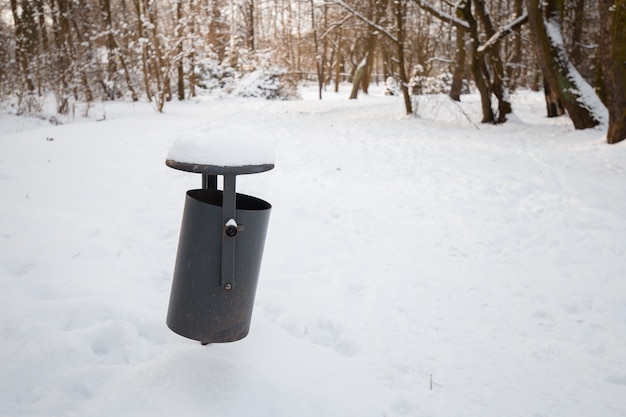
x=613 y=47
x=356 y=81
x=582 y=104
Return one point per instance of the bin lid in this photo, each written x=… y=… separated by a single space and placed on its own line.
x=209 y=153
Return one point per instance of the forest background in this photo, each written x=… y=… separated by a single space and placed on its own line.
x=84 y=51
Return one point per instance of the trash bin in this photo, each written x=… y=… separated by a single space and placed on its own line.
x=221 y=242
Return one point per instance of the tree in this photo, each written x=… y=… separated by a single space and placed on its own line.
x=248 y=11
x=575 y=94
x=498 y=82
x=113 y=54
x=25 y=37
x=514 y=67
x=180 y=73
x=399 y=11
x=613 y=47
x=82 y=50
x=396 y=35
x=488 y=74
x=375 y=13
x=459 y=66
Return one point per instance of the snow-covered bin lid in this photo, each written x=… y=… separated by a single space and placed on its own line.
x=206 y=152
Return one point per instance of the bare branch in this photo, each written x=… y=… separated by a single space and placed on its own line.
x=502 y=32
x=362 y=18
x=441 y=15
x=336 y=25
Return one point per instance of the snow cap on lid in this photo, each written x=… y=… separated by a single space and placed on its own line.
x=206 y=146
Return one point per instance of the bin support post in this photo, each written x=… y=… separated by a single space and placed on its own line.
x=228 y=240
x=209 y=181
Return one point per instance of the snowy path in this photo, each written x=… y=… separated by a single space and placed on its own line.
x=401 y=252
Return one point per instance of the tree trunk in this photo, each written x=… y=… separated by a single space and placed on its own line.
x=498 y=85
x=65 y=55
x=400 y=13
x=319 y=65
x=338 y=60
x=160 y=66
x=478 y=66
x=144 y=49
x=577 y=52
x=192 y=52
x=459 y=66
x=376 y=13
x=180 y=82
x=613 y=47
x=248 y=12
x=574 y=93
x=43 y=33
x=114 y=49
x=107 y=27
x=356 y=81
x=369 y=61
x=24 y=36
x=113 y=52
x=554 y=107
x=514 y=66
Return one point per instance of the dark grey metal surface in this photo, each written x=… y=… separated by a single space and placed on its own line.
x=230 y=233
x=209 y=181
x=218 y=169
x=201 y=306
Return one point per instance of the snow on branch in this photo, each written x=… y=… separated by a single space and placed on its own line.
x=364 y=19
x=336 y=25
x=441 y=15
x=502 y=32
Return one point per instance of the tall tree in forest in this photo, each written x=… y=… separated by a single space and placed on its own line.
x=477 y=62
x=396 y=35
x=113 y=54
x=248 y=11
x=488 y=74
x=319 y=55
x=192 y=51
x=180 y=73
x=514 y=66
x=375 y=12
x=143 y=44
x=65 y=54
x=613 y=48
x=498 y=83
x=158 y=63
x=459 y=66
x=576 y=49
x=575 y=94
x=378 y=9
x=25 y=39
x=41 y=24
x=337 y=53
x=218 y=29
x=399 y=11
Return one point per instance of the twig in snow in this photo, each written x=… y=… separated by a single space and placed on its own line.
x=466 y=115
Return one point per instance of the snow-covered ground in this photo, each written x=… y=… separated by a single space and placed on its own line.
x=427 y=266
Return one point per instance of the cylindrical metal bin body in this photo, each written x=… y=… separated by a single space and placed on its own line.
x=200 y=307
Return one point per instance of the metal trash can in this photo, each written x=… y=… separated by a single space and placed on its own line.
x=219 y=255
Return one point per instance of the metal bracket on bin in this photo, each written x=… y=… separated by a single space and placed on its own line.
x=229 y=207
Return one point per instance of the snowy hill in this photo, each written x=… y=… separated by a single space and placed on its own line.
x=428 y=266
